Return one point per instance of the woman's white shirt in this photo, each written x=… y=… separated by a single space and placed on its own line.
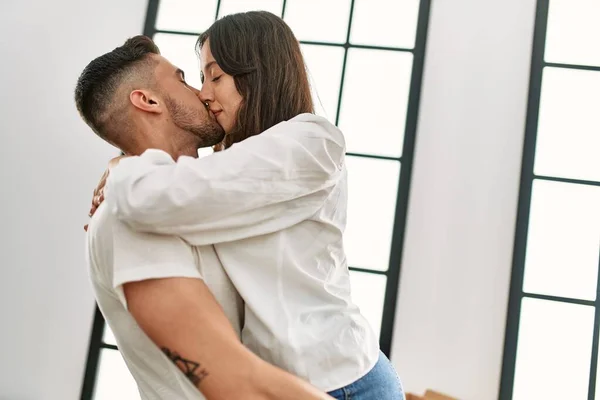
x=274 y=206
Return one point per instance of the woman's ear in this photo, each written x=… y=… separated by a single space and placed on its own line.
x=145 y=100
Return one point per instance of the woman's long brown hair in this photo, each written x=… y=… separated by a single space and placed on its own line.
x=262 y=54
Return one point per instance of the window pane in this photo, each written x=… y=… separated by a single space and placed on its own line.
x=563 y=242
x=368 y=293
x=325 y=72
x=375 y=100
x=554 y=351
x=569 y=127
x=114 y=379
x=385 y=23
x=372 y=191
x=108 y=336
x=318 y=20
x=186 y=15
x=180 y=51
x=238 y=6
x=573 y=33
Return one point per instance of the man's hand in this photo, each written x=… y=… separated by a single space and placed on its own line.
x=98 y=196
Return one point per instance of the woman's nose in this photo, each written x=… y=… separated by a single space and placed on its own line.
x=205 y=94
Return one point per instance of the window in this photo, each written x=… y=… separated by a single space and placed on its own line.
x=551 y=345
x=365 y=63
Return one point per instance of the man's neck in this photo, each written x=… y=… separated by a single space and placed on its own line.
x=190 y=151
x=176 y=144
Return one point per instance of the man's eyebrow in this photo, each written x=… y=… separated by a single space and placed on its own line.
x=179 y=71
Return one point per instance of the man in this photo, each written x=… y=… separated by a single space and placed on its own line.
x=156 y=292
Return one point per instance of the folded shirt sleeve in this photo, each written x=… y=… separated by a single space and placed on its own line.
x=139 y=256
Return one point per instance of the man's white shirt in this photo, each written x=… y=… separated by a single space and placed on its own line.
x=274 y=206
x=118 y=255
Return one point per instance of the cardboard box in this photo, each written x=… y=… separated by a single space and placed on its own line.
x=429 y=395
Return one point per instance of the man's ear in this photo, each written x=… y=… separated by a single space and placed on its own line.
x=145 y=100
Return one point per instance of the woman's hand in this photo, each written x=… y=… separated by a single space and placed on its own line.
x=98 y=196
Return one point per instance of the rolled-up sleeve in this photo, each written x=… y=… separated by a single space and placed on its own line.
x=264 y=184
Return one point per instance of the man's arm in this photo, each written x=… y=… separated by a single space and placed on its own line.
x=181 y=316
x=261 y=185
x=156 y=277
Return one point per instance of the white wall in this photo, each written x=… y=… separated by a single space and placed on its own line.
x=457 y=257
x=49 y=165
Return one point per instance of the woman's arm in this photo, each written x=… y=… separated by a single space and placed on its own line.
x=264 y=184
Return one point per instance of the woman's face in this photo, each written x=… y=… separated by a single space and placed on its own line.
x=218 y=90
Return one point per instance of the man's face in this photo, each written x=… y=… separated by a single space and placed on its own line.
x=186 y=110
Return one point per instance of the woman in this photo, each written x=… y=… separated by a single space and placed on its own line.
x=274 y=205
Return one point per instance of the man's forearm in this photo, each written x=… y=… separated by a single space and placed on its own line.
x=279 y=384
x=193 y=370
x=181 y=317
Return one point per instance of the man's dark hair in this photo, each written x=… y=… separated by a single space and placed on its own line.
x=102 y=80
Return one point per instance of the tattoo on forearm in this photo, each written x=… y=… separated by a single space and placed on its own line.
x=191 y=369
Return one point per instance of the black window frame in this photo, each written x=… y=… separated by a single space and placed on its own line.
x=528 y=177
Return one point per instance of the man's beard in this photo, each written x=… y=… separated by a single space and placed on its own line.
x=208 y=131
